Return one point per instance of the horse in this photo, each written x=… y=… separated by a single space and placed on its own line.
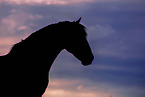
x=25 y=69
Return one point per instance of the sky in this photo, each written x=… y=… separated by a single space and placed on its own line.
x=116 y=30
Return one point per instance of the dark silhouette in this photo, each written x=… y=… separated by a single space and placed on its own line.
x=25 y=69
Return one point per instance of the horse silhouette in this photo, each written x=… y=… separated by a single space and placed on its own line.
x=25 y=69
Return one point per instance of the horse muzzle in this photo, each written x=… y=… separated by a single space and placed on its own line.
x=88 y=61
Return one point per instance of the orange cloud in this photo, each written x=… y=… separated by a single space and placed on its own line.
x=67 y=93
x=6 y=43
x=74 y=88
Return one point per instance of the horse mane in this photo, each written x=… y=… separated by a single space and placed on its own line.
x=16 y=46
x=74 y=25
x=51 y=28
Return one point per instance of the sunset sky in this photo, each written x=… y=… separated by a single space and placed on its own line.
x=116 y=33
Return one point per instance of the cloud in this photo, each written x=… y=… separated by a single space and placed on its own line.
x=45 y=2
x=12 y=23
x=83 y=88
x=116 y=29
x=7 y=42
x=60 y=2
x=18 y=22
x=98 y=31
x=74 y=88
x=107 y=71
x=15 y=25
x=66 y=93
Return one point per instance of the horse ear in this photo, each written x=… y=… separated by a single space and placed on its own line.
x=78 y=21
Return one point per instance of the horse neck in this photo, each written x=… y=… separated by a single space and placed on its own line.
x=52 y=54
x=47 y=52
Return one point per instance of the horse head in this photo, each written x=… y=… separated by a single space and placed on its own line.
x=77 y=43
